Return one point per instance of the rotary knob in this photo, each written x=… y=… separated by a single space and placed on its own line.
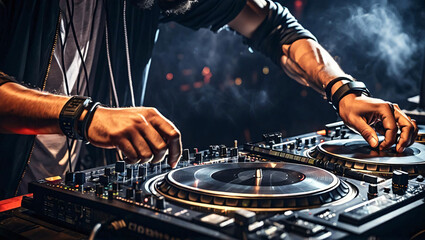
x=100 y=189
x=186 y=155
x=160 y=203
x=372 y=191
x=199 y=157
x=108 y=171
x=129 y=173
x=120 y=166
x=400 y=181
x=104 y=179
x=138 y=196
x=129 y=193
x=80 y=178
x=69 y=177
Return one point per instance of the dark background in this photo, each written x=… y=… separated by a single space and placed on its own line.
x=378 y=42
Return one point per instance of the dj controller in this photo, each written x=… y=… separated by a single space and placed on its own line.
x=323 y=185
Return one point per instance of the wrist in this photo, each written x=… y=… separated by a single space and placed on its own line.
x=351 y=88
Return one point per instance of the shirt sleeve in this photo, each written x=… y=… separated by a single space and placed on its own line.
x=212 y=14
x=280 y=27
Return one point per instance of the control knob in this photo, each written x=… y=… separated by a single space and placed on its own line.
x=120 y=166
x=80 y=178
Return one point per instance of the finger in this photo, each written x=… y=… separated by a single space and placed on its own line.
x=407 y=132
x=390 y=127
x=142 y=148
x=366 y=131
x=407 y=129
x=415 y=136
x=172 y=135
x=153 y=139
x=127 y=148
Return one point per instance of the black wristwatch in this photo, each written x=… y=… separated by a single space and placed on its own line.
x=70 y=114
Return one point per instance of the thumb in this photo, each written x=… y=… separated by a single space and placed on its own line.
x=366 y=131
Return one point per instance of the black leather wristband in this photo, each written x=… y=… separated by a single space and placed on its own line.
x=328 y=89
x=70 y=114
x=347 y=88
x=87 y=120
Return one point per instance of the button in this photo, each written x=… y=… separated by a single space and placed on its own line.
x=148 y=199
x=234 y=152
x=129 y=193
x=223 y=151
x=420 y=178
x=298 y=142
x=372 y=191
x=138 y=196
x=400 y=181
x=244 y=217
x=142 y=171
x=120 y=166
x=100 y=189
x=186 y=155
x=160 y=202
x=69 y=177
x=111 y=194
x=199 y=157
x=129 y=173
x=104 y=179
x=108 y=171
x=115 y=186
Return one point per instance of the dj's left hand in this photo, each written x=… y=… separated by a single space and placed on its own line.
x=369 y=115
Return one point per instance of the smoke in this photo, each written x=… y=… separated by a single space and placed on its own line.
x=381 y=26
x=381 y=41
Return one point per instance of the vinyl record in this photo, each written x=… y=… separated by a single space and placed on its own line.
x=360 y=151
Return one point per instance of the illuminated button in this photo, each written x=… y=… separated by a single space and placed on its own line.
x=53 y=179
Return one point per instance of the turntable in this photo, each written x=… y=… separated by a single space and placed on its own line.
x=357 y=155
x=316 y=185
x=259 y=187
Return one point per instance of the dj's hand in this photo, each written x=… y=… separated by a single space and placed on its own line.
x=140 y=133
x=367 y=115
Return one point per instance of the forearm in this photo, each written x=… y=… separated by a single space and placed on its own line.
x=310 y=64
x=26 y=111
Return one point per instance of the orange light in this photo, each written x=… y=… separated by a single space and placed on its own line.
x=198 y=84
x=321 y=132
x=206 y=71
x=238 y=81
x=52 y=179
x=266 y=70
x=169 y=76
x=185 y=87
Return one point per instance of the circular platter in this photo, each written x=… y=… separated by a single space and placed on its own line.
x=358 y=155
x=253 y=186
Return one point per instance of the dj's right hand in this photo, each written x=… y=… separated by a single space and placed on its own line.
x=141 y=133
